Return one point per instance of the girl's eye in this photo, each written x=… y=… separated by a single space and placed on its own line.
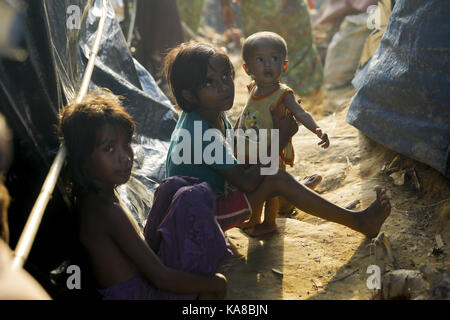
x=226 y=76
x=208 y=83
x=109 y=148
x=259 y=59
x=274 y=58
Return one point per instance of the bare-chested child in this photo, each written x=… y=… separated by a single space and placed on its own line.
x=97 y=134
x=201 y=79
x=265 y=60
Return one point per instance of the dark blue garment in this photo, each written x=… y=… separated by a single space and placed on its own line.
x=403 y=95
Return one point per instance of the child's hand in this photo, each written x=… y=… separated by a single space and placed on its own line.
x=324 y=137
x=221 y=288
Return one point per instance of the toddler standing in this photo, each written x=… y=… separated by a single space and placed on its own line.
x=265 y=60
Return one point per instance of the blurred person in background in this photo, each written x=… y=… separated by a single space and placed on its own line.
x=288 y=18
x=15 y=283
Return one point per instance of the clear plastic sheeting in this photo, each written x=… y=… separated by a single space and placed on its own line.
x=116 y=70
x=58 y=35
x=402 y=95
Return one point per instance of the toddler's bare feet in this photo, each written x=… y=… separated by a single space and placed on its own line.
x=250 y=223
x=373 y=217
x=260 y=229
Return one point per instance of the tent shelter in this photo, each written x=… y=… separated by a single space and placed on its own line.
x=402 y=95
x=57 y=36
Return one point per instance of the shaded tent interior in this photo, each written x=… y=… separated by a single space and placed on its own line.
x=31 y=94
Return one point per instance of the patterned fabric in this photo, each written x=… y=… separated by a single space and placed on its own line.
x=290 y=19
x=191 y=238
x=232 y=209
x=191 y=12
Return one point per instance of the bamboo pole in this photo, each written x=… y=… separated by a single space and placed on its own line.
x=31 y=227
x=132 y=23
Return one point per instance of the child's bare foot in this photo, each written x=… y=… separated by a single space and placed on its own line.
x=373 y=217
x=260 y=229
x=312 y=181
x=249 y=223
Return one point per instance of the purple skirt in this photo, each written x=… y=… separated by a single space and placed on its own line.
x=183 y=231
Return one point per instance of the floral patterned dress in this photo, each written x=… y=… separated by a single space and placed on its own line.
x=191 y=12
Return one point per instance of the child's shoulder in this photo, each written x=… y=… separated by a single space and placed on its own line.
x=287 y=92
x=96 y=207
x=187 y=120
x=285 y=87
x=98 y=216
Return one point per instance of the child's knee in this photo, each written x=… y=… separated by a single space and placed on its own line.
x=277 y=180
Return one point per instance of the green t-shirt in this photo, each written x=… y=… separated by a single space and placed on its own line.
x=197 y=149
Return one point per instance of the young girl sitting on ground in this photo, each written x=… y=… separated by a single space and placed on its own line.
x=264 y=55
x=201 y=79
x=97 y=133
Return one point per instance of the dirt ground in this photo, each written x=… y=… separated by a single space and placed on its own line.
x=310 y=258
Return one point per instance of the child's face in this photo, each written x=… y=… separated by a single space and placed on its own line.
x=218 y=91
x=265 y=63
x=112 y=159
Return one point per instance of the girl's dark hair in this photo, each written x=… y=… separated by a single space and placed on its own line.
x=186 y=67
x=79 y=125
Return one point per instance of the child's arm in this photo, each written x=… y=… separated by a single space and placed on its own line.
x=306 y=119
x=132 y=244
